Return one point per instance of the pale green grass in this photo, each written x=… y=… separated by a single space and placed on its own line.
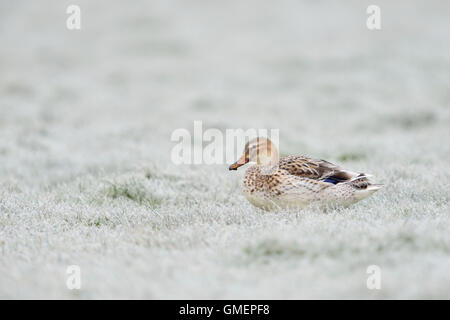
x=86 y=176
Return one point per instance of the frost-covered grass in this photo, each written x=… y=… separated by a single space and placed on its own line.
x=86 y=177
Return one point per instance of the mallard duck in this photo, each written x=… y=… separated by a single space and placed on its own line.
x=298 y=181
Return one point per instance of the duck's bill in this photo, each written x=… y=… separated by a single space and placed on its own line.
x=242 y=160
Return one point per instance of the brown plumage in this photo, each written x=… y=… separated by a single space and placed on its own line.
x=297 y=181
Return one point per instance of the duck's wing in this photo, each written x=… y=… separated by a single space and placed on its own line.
x=315 y=169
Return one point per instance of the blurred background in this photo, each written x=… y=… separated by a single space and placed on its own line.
x=78 y=107
x=311 y=69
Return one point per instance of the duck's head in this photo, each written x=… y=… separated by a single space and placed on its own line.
x=259 y=150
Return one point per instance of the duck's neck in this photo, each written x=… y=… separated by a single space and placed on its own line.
x=268 y=159
x=268 y=169
x=269 y=165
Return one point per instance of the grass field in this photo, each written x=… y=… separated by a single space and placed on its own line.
x=86 y=176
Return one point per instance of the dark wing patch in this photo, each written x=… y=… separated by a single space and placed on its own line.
x=332 y=180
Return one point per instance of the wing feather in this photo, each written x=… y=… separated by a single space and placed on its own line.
x=314 y=169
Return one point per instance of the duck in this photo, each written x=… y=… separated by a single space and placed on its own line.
x=298 y=181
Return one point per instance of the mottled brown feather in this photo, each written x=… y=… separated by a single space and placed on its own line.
x=312 y=168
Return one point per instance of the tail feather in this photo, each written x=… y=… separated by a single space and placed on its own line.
x=375 y=187
x=364 y=186
x=359 y=181
x=362 y=181
x=366 y=192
